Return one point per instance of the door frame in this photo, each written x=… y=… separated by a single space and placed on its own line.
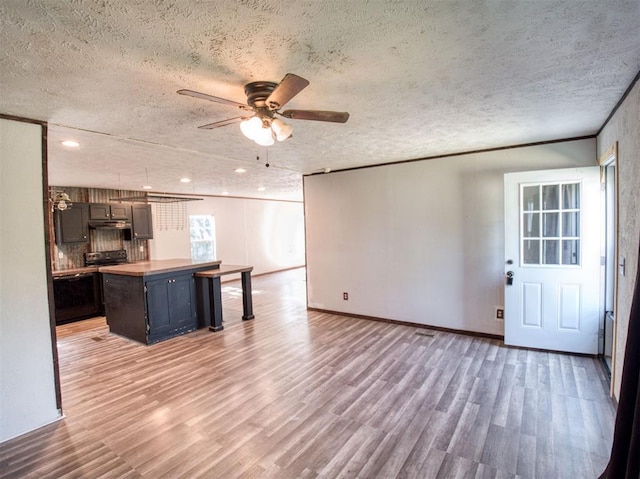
x=607 y=158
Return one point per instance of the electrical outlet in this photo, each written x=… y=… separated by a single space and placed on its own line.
x=345 y=296
x=499 y=313
x=60 y=255
x=141 y=249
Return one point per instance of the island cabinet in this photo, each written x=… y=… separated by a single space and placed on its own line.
x=150 y=301
x=150 y=308
x=170 y=304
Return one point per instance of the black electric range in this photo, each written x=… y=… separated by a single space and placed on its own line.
x=105 y=258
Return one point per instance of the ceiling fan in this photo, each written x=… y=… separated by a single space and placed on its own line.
x=264 y=101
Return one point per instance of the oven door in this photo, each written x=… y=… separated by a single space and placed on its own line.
x=76 y=297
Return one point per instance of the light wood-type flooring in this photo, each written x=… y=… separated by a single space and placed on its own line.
x=298 y=394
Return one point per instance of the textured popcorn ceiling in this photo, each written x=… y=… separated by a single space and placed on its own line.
x=419 y=78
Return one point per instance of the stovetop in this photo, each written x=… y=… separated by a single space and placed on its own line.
x=103 y=258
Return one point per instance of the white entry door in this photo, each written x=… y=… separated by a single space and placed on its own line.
x=552 y=264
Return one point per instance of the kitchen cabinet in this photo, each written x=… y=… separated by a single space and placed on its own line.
x=109 y=211
x=71 y=225
x=141 y=222
x=170 y=303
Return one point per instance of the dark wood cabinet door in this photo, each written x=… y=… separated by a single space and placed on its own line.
x=108 y=211
x=170 y=307
x=121 y=211
x=181 y=304
x=99 y=211
x=141 y=223
x=72 y=224
x=158 y=307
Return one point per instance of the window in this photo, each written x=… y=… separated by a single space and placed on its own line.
x=202 y=233
x=550 y=220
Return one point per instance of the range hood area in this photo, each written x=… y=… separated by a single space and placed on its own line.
x=110 y=225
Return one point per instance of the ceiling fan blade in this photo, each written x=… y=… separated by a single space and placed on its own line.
x=216 y=99
x=289 y=87
x=218 y=124
x=318 y=115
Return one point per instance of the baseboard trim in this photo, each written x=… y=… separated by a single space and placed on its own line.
x=59 y=418
x=410 y=324
x=232 y=277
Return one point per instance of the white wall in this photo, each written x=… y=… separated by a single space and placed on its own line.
x=421 y=242
x=269 y=235
x=623 y=128
x=27 y=398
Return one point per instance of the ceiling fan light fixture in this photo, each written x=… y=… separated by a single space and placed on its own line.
x=264 y=137
x=264 y=100
x=251 y=127
x=281 y=129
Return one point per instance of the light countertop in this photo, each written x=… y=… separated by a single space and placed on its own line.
x=157 y=266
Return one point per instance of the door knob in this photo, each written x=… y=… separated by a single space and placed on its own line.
x=509 y=278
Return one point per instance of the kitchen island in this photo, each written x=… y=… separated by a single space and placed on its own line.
x=149 y=301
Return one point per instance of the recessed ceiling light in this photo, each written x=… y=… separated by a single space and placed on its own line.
x=71 y=143
x=185 y=180
x=240 y=170
x=147 y=187
x=225 y=193
x=261 y=188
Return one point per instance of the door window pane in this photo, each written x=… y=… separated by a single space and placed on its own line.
x=570 y=253
x=550 y=225
x=571 y=224
x=531 y=252
x=571 y=196
x=531 y=198
x=550 y=197
x=551 y=253
x=531 y=225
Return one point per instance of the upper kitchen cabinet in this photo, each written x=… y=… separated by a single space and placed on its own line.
x=106 y=211
x=72 y=224
x=141 y=223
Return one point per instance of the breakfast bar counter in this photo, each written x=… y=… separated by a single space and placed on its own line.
x=210 y=294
